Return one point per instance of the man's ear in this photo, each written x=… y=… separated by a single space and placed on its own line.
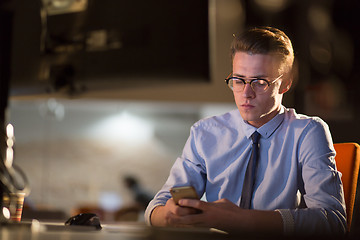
x=288 y=78
x=285 y=84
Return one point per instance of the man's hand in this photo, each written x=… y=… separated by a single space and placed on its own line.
x=170 y=214
x=221 y=214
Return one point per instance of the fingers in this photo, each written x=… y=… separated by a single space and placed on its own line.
x=179 y=210
x=180 y=220
x=183 y=211
x=212 y=214
x=192 y=203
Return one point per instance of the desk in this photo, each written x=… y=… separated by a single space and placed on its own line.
x=36 y=230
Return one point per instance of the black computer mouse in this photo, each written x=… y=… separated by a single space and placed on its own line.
x=85 y=219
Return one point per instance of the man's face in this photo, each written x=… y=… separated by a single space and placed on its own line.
x=258 y=108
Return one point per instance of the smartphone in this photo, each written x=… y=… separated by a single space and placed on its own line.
x=183 y=192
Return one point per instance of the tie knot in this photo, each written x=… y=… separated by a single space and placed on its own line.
x=255 y=137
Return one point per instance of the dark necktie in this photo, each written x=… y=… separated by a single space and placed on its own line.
x=249 y=180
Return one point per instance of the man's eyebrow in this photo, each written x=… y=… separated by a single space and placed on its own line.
x=255 y=77
x=238 y=75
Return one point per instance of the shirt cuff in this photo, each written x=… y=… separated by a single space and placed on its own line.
x=288 y=221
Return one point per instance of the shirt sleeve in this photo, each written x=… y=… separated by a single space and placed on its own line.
x=322 y=191
x=188 y=170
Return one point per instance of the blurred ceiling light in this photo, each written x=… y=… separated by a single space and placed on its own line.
x=319 y=18
x=110 y=201
x=54 y=7
x=9 y=157
x=273 y=6
x=5 y=213
x=321 y=51
x=10 y=131
x=52 y=109
x=10 y=143
x=230 y=10
x=124 y=126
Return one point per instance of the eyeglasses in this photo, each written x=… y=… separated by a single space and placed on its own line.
x=258 y=85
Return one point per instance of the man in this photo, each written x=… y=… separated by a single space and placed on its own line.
x=296 y=187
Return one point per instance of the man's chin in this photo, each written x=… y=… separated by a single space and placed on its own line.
x=249 y=117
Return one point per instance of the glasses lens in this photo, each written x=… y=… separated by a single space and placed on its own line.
x=236 y=84
x=259 y=85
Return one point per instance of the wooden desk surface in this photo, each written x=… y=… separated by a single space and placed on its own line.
x=36 y=230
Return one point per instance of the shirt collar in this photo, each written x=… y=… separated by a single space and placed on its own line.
x=267 y=129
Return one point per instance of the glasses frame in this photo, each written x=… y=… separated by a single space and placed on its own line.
x=227 y=80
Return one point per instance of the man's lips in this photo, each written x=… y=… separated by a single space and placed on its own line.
x=247 y=106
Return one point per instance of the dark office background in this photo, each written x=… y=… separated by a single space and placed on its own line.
x=326 y=42
x=324 y=33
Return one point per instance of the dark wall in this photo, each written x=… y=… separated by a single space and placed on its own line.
x=5 y=59
x=115 y=42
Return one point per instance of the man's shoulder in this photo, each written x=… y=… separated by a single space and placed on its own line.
x=226 y=119
x=295 y=118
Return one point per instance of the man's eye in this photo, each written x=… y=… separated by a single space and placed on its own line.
x=238 y=81
x=259 y=82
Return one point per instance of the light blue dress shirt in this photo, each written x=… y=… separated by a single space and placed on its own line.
x=296 y=173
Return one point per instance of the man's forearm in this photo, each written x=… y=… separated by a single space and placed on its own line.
x=157 y=217
x=260 y=221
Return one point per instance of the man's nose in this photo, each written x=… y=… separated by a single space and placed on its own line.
x=248 y=91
